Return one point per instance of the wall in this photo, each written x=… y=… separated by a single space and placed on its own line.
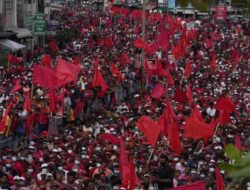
x=9 y=9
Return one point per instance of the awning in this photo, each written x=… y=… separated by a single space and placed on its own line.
x=150 y=7
x=14 y=46
x=20 y=32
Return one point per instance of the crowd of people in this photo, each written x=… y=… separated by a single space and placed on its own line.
x=83 y=152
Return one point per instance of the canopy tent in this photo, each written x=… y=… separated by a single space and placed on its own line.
x=20 y=32
x=14 y=46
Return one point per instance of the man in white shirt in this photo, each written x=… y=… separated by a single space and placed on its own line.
x=211 y=111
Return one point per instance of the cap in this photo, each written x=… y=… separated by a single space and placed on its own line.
x=16 y=177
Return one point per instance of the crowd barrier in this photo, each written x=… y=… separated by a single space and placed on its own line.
x=121 y=93
x=7 y=142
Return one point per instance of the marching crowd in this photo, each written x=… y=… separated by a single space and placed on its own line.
x=182 y=69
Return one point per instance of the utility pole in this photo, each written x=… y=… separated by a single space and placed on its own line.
x=143 y=27
x=143 y=54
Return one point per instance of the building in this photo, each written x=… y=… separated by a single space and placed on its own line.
x=17 y=18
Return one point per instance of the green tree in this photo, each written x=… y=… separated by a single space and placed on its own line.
x=239 y=167
x=183 y=3
x=200 y=5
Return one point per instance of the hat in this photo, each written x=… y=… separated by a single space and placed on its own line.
x=16 y=177
x=44 y=165
x=54 y=150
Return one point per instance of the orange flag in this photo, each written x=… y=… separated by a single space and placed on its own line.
x=4 y=118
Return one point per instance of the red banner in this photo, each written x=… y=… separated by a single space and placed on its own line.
x=221 y=12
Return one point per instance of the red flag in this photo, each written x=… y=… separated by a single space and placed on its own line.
x=62 y=101
x=152 y=48
x=98 y=80
x=78 y=108
x=132 y=176
x=187 y=69
x=174 y=139
x=163 y=40
x=224 y=118
x=76 y=61
x=213 y=61
x=53 y=46
x=139 y=43
x=66 y=72
x=170 y=110
x=167 y=118
x=52 y=100
x=16 y=87
x=161 y=121
x=123 y=155
x=208 y=43
x=170 y=78
x=200 y=185
x=115 y=71
x=219 y=180
x=108 y=42
x=150 y=129
x=180 y=96
x=159 y=68
x=158 y=91
x=27 y=103
x=46 y=60
x=110 y=138
x=236 y=56
x=197 y=114
x=225 y=104
x=39 y=73
x=198 y=130
x=150 y=68
x=189 y=94
x=237 y=142
x=9 y=57
x=124 y=59
x=12 y=59
x=124 y=165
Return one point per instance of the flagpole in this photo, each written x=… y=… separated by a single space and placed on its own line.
x=217 y=127
x=32 y=88
x=150 y=156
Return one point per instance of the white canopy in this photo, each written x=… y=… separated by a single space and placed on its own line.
x=20 y=32
x=14 y=46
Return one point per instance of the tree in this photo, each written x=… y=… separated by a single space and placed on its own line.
x=239 y=167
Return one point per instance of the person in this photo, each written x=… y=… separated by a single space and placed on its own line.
x=164 y=175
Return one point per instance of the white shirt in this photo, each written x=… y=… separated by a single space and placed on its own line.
x=211 y=111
